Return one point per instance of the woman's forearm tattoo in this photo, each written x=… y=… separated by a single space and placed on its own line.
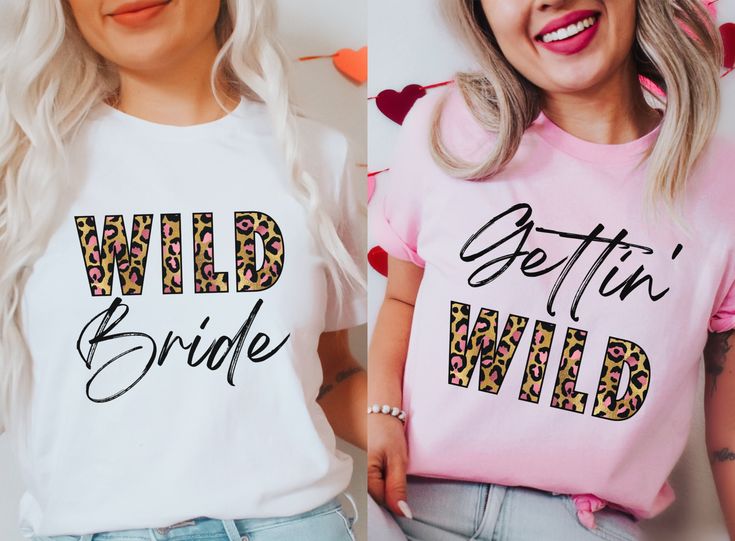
x=723 y=455
x=715 y=355
x=339 y=378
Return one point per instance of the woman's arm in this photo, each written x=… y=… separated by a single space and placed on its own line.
x=387 y=453
x=342 y=395
x=719 y=356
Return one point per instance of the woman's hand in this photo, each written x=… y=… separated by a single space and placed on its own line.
x=387 y=461
x=387 y=449
x=719 y=356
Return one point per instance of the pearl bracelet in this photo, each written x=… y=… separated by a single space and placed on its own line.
x=385 y=409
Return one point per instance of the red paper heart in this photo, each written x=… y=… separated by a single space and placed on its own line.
x=353 y=64
x=727 y=31
x=378 y=259
x=396 y=105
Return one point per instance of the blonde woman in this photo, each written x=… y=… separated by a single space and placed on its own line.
x=562 y=253
x=181 y=258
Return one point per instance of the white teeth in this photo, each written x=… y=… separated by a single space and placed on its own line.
x=569 y=31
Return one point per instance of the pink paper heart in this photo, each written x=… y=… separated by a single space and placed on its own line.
x=370 y=186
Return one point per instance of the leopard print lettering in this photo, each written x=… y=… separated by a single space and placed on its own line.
x=566 y=397
x=538 y=356
x=100 y=256
x=171 y=272
x=465 y=349
x=620 y=352
x=206 y=279
x=247 y=225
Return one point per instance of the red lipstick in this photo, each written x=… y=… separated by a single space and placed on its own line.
x=570 y=33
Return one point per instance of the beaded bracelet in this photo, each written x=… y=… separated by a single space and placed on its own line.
x=385 y=409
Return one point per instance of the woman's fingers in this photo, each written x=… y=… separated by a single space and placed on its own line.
x=376 y=478
x=395 y=485
x=387 y=462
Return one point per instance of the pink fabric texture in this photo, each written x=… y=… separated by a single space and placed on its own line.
x=587 y=505
x=559 y=325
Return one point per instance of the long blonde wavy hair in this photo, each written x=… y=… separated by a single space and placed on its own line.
x=50 y=79
x=677 y=47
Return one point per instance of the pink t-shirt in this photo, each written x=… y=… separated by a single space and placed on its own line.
x=558 y=330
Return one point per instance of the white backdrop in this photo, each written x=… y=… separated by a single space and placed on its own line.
x=409 y=44
x=312 y=27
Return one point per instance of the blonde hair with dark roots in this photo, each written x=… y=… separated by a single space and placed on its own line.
x=677 y=47
x=50 y=79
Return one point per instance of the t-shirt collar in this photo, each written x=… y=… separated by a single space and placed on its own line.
x=224 y=123
x=589 y=151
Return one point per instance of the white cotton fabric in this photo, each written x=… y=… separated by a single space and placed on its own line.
x=183 y=442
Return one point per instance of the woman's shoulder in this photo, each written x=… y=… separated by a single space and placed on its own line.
x=715 y=168
x=318 y=136
x=324 y=150
x=710 y=188
x=449 y=97
x=719 y=154
x=459 y=130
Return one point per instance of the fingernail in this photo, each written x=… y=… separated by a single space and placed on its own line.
x=405 y=509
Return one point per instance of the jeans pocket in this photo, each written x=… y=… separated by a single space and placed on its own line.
x=616 y=526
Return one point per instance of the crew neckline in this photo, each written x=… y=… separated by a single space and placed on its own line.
x=594 y=152
x=230 y=119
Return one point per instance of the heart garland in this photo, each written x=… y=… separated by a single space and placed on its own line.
x=396 y=105
x=727 y=31
x=351 y=63
x=371 y=182
x=371 y=187
x=378 y=259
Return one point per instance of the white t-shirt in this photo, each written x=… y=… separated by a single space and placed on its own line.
x=179 y=378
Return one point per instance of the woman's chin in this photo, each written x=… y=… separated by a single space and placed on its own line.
x=569 y=81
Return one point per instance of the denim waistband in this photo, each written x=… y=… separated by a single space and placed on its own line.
x=203 y=527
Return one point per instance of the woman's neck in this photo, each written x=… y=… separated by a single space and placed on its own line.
x=178 y=93
x=612 y=112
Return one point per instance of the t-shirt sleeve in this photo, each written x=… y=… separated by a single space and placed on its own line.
x=395 y=211
x=723 y=318
x=349 y=309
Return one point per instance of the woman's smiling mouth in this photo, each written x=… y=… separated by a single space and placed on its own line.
x=571 y=33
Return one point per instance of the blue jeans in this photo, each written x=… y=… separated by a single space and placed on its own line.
x=445 y=510
x=327 y=522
